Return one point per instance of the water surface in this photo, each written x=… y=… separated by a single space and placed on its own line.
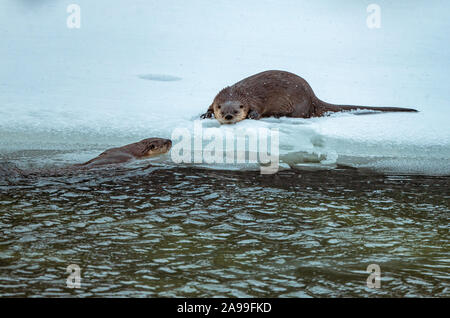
x=157 y=232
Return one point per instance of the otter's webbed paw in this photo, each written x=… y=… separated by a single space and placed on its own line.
x=253 y=114
x=208 y=114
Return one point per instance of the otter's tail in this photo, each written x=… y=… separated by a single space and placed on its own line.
x=326 y=107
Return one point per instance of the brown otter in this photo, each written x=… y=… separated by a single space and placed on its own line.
x=275 y=94
x=139 y=150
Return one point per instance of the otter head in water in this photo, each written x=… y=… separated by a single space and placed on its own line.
x=152 y=147
x=139 y=150
x=145 y=148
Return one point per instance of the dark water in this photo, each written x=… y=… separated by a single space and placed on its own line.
x=190 y=232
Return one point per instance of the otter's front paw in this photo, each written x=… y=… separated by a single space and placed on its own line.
x=207 y=115
x=253 y=114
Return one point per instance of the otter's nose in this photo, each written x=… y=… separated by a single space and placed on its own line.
x=228 y=117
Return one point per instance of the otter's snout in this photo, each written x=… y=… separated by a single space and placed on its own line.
x=166 y=145
x=229 y=117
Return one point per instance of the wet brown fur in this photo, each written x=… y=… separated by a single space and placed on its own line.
x=276 y=94
x=139 y=150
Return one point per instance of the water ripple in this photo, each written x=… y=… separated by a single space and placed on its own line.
x=194 y=233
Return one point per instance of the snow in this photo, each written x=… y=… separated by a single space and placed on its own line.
x=140 y=69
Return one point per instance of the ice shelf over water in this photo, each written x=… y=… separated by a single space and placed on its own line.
x=141 y=69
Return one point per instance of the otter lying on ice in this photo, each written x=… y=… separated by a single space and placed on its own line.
x=275 y=94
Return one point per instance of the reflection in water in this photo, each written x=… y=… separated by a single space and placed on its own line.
x=191 y=232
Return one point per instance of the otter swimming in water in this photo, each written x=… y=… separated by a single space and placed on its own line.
x=275 y=94
x=143 y=149
x=146 y=148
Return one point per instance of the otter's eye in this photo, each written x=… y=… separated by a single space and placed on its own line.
x=152 y=147
x=218 y=107
x=242 y=106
